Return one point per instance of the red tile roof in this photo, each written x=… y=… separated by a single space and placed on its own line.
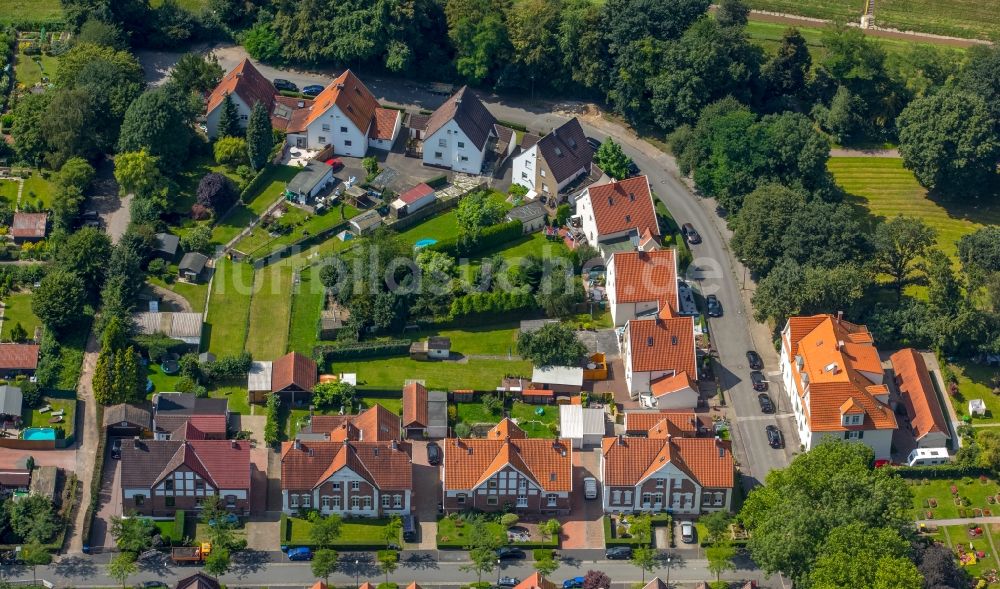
x=29 y=225
x=375 y=424
x=685 y=423
x=385 y=123
x=628 y=461
x=416 y=193
x=918 y=393
x=662 y=344
x=469 y=462
x=645 y=276
x=353 y=98
x=383 y=464
x=672 y=384
x=415 y=405
x=837 y=358
x=247 y=83
x=293 y=369
x=18 y=356
x=625 y=205
x=227 y=462
x=536 y=581
x=288 y=116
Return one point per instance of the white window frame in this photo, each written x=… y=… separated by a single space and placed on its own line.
x=386 y=500
x=397 y=501
x=293 y=500
x=355 y=485
x=551 y=500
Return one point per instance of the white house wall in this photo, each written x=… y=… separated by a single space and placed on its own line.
x=523 y=173
x=449 y=147
x=212 y=119
x=337 y=129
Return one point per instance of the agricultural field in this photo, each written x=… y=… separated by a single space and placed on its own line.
x=31 y=11
x=229 y=307
x=887 y=189
x=17 y=310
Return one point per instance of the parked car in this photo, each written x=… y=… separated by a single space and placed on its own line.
x=574 y=583
x=593 y=143
x=687 y=532
x=410 y=528
x=335 y=163
x=618 y=553
x=754 y=360
x=283 y=84
x=758 y=380
x=116 y=448
x=766 y=406
x=312 y=89
x=690 y=233
x=300 y=553
x=774 y=437
x=508 y=582
x=589 y=488
x=714 y=306
x=433 y=454
x=229 y=518
x=633 y=169
x=509 y=553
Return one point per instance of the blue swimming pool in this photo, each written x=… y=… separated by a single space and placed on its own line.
x=425 y=242
x=39 y=433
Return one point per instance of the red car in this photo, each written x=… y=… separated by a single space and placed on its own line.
x=335 y=163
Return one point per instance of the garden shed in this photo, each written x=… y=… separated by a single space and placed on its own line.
x=309 y=182
x=583 y=426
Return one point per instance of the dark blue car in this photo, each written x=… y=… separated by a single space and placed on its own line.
x=300 y=553
x=312 y=90
x=574 y=583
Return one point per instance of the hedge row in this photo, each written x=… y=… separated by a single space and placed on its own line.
x=494 y=302
x=362 y=350
x=95 y=479
x=252 y=186
x=179 y=516
x=941 y=471
x=491 y=237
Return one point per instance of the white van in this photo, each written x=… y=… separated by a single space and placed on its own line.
x=590 y=488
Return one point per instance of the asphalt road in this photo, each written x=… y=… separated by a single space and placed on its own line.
x=257 y=571
x=714 y=268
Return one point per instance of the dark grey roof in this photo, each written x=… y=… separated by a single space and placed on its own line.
x=189 y=404
x=10 y=400
x=312 y=174
x=139 y=415
x=194 y=262
x=470 y=115
x=438 y=343
x=367 y=219
x=143 y=460
x=528 y=140
x=418 y=122
x=527 y=212
x=566 y=150
x=197 y=581
x=167 y=243
x=437 y=408
x=504 y=134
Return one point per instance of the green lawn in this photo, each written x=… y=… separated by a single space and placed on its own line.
x=71 y=350
x=236 y=394
x=940 y=490
x=389 y=373
x=230 y=226
x=437 y=227
x=17 y=309
x=195 y=294
x=229 y=307
x=960 y=535
x=353 y=532
x=452 y=533
x=59 y=400
x=956 y=18
x=886 y=188
x=162 y=383
x=394 y=405
x=534 y=425
x=307 y=305
x=494 y=340
x=31 y=11
x=38 y=192
x=974 y=383
x=8 y=191
x=270 y=311
x=475 y=413
x=31 y=68
x=259 y=243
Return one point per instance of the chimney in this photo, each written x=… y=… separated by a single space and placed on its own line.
x=840 y=345
x=233 y=444
x=840 y=316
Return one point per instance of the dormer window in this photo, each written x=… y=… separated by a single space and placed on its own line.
x=852 y=419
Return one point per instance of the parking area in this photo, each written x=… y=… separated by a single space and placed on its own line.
x=400 y=172
x=584 y=527
x=108 y=503
x=426 y=496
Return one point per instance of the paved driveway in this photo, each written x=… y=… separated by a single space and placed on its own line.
x=426 y=496
x=109 y=503
x=584 y=527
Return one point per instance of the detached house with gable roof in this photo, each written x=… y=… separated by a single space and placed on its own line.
x=835 y=381
x=926 y=418
x=641 y=283
x=660 y=360
x=508 y=470
x=617 y=216
x=552 y=164
x=458 y=134
x=666 y=472
x=159 y=477
x=246 y=86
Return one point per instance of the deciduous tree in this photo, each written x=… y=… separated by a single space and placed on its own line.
x=231 y=152
x=786 y=73
x=324 y=563
x=122 y=566
x=720 y=559
x=138 y=172
x=856 y=555
x=612 y=160
x=553 y=344
x=59 y=299
x=326 y=530
x=198 y=73
x=159 y=121
x=898 y=243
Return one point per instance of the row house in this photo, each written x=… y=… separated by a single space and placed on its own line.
x=349 y=478
x=666 y=472
x=506 y=470
x=159 y=477
x=835 y=382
